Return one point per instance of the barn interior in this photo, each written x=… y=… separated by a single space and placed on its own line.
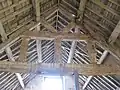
x=59 y=44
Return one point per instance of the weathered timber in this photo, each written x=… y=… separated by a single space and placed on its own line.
x=86 y=69
x=50 y=36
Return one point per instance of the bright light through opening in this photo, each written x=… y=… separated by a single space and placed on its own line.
x=51 y=83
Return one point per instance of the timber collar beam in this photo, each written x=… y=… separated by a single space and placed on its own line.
x=86 y=69
x=43 y=35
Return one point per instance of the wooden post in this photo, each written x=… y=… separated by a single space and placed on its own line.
x=23 y=50
x=91 y=51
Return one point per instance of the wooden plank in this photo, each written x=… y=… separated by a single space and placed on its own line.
x=86 y=69
x=24 y=24
x=50 y=36
x=12 y=6
x=102 y=5
x=66 y=2
x=16 y=13
x=100 y=15
x=97 y=22
x=23 y=50
x=114 y=34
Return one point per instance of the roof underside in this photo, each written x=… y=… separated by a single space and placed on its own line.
x=17 y=16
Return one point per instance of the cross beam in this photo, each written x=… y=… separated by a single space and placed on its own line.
x=86 y=69
x=50 y=36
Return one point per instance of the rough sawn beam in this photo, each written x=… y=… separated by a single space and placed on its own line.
x=86 y=69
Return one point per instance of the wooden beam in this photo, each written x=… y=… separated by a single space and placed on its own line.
x=80 y=12
x=2 y=32
x=73 y=47
x=101 y=42
x=24 y=24
x=100 y=15
x=11 y=58
x=57 y=41
x=69 y=27
x=57 y=49
x=87 y=82
x=114 y=34
x=49 y=11
x=43 y=35
x=66 y=2
x=38 y=43
x=37 y=9
x=97 y=22
x=72 y=24
x=63 y=12
x=16 y=13
x=20 y=79
x=12 y=6
x=9 y=53
x=76 y=80
x=102 y=5
x=105 y=53
x=17 y=35
x=72 y=51
x=102 y=58
x=91 y=51
x=114 y=50
x=86 y=69
x=47 y=25
x=23 y=50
